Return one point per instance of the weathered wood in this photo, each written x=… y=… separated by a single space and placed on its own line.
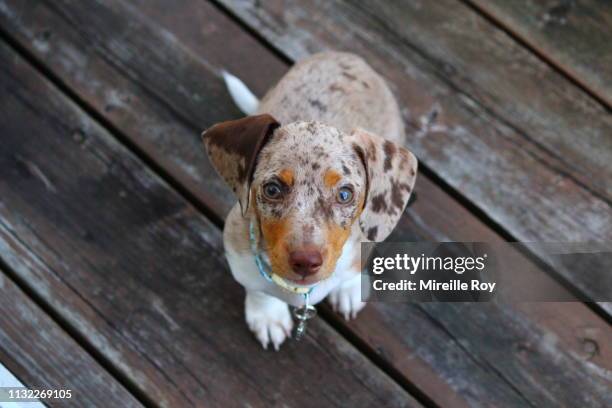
x=132 y=267
x=524 y=342
x=572 y=35
x=423 y=362
x=119 y=87
x=505 y=124
x=38 y=352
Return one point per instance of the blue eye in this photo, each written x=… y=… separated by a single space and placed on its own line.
x=345 y=195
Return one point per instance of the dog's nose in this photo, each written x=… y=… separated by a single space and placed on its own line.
x=306 y=262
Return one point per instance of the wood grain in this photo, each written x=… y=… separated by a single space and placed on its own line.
x=407 y=338
x=38 y=352
x=572 y=35
x=505 y=123
x=135 y=270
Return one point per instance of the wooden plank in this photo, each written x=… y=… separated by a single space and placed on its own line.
x=511 y=340
x=572 y=35
x=133 y=268
x=433 y=368
x=505 y=123
x=41 y=355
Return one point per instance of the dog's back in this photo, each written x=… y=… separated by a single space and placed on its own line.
x=339 y=89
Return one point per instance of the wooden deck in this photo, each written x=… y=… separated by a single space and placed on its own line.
x=112 y=276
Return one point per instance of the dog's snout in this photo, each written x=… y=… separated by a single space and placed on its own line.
x=305 y=262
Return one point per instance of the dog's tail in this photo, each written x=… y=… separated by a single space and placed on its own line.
x=242 y=96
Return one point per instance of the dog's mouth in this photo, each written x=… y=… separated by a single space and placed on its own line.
x=292 y=279
x=296 y=286
x=305 y=282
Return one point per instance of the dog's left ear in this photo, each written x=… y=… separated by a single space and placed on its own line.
x=233 y=148
x=390 y=176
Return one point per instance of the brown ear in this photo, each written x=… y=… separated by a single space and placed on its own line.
x=391 y=174
x=233 y=148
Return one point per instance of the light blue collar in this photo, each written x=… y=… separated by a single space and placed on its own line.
x=265 y=269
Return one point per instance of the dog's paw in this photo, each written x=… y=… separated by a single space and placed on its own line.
x=346 y=298
x=268 y=318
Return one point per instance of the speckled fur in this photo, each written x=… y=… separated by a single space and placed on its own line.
x=339 y=89
x=339 y=126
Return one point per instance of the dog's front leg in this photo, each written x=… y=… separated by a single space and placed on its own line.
x=268 y=318
x=346 y=298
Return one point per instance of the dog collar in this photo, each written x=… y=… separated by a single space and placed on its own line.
x=265 y=269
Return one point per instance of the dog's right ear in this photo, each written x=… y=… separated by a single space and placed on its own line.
x=233 y=148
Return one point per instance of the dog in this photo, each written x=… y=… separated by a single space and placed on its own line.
x=317 y=168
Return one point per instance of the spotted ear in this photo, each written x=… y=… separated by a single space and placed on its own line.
x=233 y=147
x=391 y=173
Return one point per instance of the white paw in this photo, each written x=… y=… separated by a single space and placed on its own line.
x=346 y=298
x=268 y=318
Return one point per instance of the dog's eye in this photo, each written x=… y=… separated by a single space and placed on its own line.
x=272 y=190
x=345 y=195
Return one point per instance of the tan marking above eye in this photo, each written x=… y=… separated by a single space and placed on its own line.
x=331 y=178
x=286 y=176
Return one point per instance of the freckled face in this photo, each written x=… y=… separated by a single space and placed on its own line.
x=308 y=190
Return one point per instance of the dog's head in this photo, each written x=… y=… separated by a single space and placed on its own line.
x=309 y=186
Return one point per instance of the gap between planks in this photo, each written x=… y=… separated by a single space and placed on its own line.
x=540 y=54
x=81 y=340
